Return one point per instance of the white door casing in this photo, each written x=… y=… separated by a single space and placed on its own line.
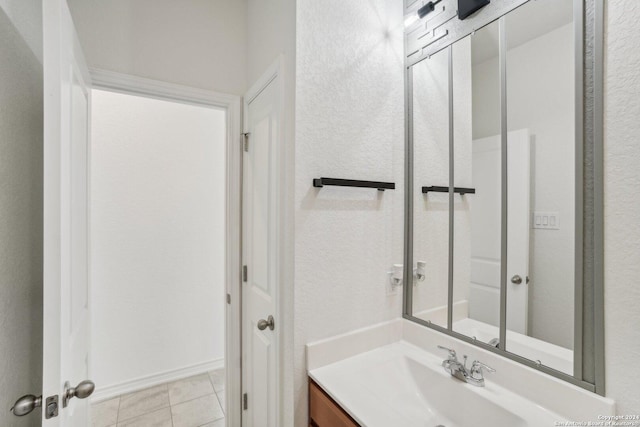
x=484 y=295
x=261 y=254
x=66 y=329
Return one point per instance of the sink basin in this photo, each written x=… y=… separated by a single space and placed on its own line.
x=435 y=397
x=402 y=385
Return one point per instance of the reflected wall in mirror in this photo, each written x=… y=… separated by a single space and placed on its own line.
x=477 y=165
x=541 y=108
x=430 y=80
x=537 y=172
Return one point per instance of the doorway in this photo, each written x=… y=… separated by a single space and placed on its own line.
x=157 y=260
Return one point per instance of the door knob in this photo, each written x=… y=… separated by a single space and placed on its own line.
x=262 y=324
x=83 y=390
x=26 y=404
x=516 y=280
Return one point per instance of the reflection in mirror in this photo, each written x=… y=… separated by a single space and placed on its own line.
x=477 y=165
x=431 y=168
x=541 y=156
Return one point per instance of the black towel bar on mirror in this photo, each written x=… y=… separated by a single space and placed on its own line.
x=438 y=189
x=380 y=186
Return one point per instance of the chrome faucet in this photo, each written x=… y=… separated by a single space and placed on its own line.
x=473 y=376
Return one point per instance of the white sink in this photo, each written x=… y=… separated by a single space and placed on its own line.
x=401 y=385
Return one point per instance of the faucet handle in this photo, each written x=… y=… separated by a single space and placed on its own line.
x=452 y=353
x=480 y=367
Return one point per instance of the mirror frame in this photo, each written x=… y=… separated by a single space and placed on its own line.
x=589 y=190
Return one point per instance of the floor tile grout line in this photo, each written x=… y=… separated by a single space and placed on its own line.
x=196 y=398
x=209 y=422
x=118 y=413
x=221 y=405
x=144 y=413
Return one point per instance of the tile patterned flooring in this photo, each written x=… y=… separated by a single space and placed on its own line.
x=192 y=402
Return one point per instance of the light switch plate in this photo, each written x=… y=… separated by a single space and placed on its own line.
x=546 y=220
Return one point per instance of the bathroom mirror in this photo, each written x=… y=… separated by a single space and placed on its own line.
x=431 y=211
x=498 y=153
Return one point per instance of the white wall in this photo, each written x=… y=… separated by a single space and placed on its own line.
x=157 y=224
x=622 y=205
x=199 y=43
x=349 y=124
x=20 y=220
x=26 y=16
x=541 y=98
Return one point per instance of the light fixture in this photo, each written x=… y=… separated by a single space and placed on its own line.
x=467 y=8
x=427 y=8
x=421 y=13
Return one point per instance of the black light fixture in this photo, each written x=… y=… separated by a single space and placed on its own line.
x=427 y=8
x=421 y=13
x=467 y=8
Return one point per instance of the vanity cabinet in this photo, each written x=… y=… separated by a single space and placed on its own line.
x=324 y=411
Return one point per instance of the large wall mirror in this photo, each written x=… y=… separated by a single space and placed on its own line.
x=498 y=190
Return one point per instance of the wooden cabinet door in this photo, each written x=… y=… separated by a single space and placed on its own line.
x=324 y=412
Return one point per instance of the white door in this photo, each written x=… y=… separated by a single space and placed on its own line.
x=485 y=206
x=66 y=279
x=260 y=251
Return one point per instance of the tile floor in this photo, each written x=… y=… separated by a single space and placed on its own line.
x=196 y=401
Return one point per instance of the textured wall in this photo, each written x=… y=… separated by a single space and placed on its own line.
x=157 y=236
x=622 y=228
x=20 y=223
x=199 y=43
x=349 y=124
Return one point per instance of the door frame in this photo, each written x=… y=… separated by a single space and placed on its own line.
x=231 y=104
x=274 y=74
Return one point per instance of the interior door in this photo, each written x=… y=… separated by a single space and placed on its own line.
x=66 y=173
x=484 y=292
x=260 y=249
x=518 y=202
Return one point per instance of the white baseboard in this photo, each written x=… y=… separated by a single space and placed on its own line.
x=104 y=393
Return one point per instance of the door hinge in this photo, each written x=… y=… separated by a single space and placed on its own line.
x=246 y=141
x=245 y=273
x=228 y=298
x=245 y=402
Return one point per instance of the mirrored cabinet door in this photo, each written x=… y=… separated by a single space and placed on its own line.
x=541 y=119
x=477 y=166
x=493 y=124
x=430 y=81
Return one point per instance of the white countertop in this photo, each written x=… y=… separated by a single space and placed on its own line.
x=402 y=385
x=390 y=374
